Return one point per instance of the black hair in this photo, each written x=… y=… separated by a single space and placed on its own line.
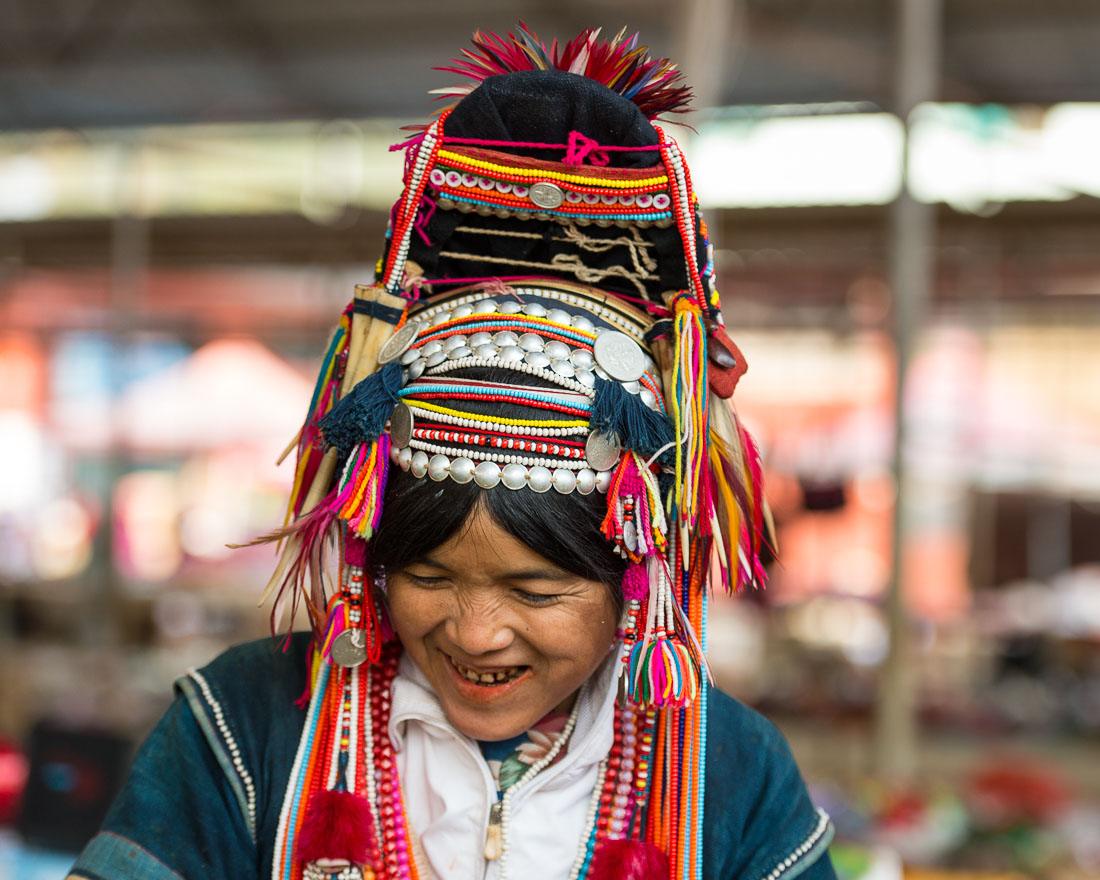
x=419 y=515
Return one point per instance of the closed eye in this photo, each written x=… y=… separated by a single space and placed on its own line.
x=537 y=598
x=422 y=581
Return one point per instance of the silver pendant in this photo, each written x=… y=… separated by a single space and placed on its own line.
x=399 y=343
x=350 y=648
x=401 y=425
x=601 y=451
x=619 y=356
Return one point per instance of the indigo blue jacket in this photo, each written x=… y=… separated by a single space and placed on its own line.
x=204 y=794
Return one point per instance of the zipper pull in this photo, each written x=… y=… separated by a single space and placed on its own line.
x=494 y=837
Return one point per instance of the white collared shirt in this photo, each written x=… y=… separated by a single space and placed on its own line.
x=448 y=789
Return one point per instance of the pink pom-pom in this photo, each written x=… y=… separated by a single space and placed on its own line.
x=337 y=826
x=355 y=551
x=635 y=582
x=628 y=860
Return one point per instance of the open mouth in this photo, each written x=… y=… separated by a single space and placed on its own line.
x=487 y=679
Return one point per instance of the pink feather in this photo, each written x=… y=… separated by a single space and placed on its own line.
x=337 y=826
x=653 y=84
x=628 y=860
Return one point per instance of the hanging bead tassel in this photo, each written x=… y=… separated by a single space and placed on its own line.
x=353 y=634
x=663 y=669
x=635 y=520
x=338 y=825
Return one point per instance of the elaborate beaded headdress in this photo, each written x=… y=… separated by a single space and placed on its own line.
x=547 y=227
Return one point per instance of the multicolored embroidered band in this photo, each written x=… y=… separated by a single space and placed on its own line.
x=472 y=179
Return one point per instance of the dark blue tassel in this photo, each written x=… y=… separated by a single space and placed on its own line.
x=617 y=412
x=361 y=414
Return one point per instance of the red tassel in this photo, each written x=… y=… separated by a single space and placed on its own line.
x=337 y=826
x=628 y=860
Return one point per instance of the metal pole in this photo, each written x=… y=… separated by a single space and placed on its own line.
x=129 y=261
x=912 y=276
x=708 y=33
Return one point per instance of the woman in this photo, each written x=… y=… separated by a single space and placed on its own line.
x=522 y=450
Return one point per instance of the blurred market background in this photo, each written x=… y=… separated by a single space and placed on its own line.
x=903 y=195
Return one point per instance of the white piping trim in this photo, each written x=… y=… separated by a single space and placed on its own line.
x=809 y=843
x=231 y=744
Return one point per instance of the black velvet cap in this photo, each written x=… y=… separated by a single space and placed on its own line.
x=544 y=106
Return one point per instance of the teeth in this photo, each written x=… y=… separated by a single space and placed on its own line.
x=487 y=677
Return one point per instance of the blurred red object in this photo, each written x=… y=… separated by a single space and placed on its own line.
x=13 y=779
x=1010 y=791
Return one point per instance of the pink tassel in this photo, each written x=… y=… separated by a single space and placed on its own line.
x=337 y=825
x=355 y=551
x=635 y=583
x=628 y=860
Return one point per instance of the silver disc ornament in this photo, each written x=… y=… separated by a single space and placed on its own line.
x=546 y=195
x=350 y=648
x=401 y=425
x=399 y=343
x=619 y=356
x=602 y=451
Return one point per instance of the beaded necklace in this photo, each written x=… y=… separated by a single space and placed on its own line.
x=345 y=744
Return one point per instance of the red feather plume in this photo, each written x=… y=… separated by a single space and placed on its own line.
x=337 y=825
x=655 y=85
x=628 y=860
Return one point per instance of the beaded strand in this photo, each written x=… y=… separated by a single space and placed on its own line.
x=532 y=771
x=545 y=427
x=460 y=160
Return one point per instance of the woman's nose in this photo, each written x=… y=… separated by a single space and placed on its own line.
x=479 y=629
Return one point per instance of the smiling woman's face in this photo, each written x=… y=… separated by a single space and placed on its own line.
x=503 y=635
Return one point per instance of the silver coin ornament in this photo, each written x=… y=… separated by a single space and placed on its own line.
x=401 y=425
x=350 y=648
x=546 y=195
x=399 y=343
x=619 y=356
x=602 y=451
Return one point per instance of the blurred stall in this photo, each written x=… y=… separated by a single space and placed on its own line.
x=182 y=215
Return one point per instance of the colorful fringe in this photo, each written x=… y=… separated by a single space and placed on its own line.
x=325 y=394
x=740 y=520
x=690 y=397
x=359 y=493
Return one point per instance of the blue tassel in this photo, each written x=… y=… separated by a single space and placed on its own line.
x=361 y=414
x=617 y=412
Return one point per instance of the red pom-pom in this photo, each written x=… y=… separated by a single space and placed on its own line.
x=337 y=826
x=628 y=860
